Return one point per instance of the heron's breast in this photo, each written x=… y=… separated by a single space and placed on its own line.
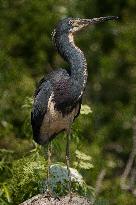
x=54 y=121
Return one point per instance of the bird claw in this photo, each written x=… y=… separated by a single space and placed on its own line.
x=70 y=197
x=50 y=195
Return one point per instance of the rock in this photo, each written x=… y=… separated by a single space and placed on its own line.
x=43 y=199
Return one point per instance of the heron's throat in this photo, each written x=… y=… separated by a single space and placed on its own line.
x=74 y=56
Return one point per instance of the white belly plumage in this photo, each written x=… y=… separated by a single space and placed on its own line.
x=54 y=121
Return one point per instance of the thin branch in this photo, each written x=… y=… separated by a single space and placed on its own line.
x=123 y=183
x=99 y=181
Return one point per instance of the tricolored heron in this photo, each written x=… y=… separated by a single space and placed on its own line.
x=58 y=97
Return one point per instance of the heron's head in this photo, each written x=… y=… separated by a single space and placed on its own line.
x=73 y=25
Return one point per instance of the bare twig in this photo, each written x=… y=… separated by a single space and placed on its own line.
x=133 y=177
x=99 y=181
x=128 y=169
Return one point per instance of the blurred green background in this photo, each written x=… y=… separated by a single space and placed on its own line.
x=27 y=53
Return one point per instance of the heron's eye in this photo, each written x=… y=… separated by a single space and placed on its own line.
x=70 y=22
x=75 y=23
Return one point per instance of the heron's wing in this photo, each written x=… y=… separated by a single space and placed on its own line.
x=41 y=99
x=39 y=86
x=66 y=95
x=54 y=76
x=40 y=107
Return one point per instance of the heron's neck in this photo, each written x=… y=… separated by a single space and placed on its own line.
x=74 y=56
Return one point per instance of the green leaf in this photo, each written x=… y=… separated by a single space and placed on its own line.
x=85 y=110
x=85 y=165
x=82 y=156
x=7 y=193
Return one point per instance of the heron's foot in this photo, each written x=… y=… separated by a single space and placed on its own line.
x=50 y=195
x=70 y=196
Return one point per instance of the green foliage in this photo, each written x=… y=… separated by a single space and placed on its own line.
x=6 y=158
x=26 y=108
x=82 y=160
x=85 y=110
x=59 y=181
x=27 y=174
x=102 y=202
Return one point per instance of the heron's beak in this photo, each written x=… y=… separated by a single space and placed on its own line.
x=98 y=20
x=79 y=24
x=86 y=22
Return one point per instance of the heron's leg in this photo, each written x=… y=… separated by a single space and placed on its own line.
x=47 y=156
x=49 y=193
x=68 y=161
x=49 y=153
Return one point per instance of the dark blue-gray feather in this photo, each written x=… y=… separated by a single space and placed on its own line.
x=65 y=98
x=40 y=107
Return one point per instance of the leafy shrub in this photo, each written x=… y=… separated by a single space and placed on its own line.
x=27 y=173
x=59 y=181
